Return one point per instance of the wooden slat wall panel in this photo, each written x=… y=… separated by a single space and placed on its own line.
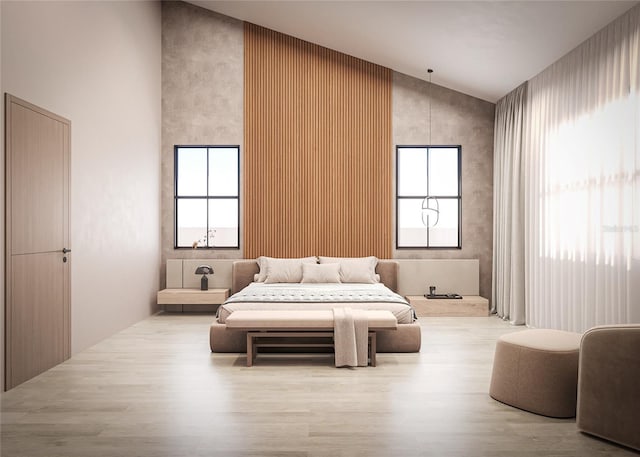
x=318 y=163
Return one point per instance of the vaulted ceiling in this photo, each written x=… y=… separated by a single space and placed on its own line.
x=481 y=48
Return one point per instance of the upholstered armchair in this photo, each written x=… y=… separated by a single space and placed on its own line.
x=608 y=384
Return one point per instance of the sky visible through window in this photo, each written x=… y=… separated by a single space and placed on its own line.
x=207 y=199
x=427 y=172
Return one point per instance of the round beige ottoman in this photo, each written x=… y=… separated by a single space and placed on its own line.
x=537 y=370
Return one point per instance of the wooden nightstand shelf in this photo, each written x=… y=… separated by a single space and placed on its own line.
x=194 y=299
x=467 y=306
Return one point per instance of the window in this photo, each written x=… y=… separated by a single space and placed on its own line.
x=207 y=197
x=428 y=197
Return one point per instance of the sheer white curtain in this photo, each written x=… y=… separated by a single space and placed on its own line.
x=581 y=154
x=508 y=211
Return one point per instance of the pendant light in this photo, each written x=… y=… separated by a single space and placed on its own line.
x=430 y=205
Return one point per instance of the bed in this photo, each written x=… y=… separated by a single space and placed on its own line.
x=249 y=295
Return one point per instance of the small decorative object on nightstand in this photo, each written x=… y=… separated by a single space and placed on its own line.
x=433 y=295
x=204 y=270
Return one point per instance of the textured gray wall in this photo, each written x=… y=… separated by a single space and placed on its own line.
x=202 y=98
x=456 y=119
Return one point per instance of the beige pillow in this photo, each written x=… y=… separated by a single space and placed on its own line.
x=286 y=270
x=355 y=269
x=263 y=262
x=262 y=265
x=328 y=273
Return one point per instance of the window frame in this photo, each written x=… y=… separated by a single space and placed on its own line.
x=207 y=198
x=458 y=198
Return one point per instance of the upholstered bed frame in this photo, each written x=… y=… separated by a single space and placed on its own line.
x=406 y=338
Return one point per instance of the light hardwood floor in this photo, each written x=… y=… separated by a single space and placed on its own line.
x=154 y=389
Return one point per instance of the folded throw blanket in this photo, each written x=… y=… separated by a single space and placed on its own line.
x=351 y=337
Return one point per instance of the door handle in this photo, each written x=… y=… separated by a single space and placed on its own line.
x=65 y=250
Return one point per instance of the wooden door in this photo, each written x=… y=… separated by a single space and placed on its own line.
x=37 y=319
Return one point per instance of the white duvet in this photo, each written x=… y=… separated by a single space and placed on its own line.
x=295 y=296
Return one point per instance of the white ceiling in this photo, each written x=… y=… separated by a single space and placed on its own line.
x=481 y=48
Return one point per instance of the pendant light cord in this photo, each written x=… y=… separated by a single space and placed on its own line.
x=430 y=71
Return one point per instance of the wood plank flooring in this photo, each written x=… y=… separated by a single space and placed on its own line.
x=154 y=389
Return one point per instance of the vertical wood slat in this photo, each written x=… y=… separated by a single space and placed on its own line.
x=317 y=136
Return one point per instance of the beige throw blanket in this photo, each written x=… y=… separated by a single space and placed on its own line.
x=351 y=337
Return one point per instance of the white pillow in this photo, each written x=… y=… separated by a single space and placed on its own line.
x=262 y=265
x=286 y=270
x=328 y=273
x=355 y=269
x=263 y=262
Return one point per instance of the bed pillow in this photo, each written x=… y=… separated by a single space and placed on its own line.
x=355 y=269
x=262 y=273
x=327 y=273
x=285 y=270
x=263 y=262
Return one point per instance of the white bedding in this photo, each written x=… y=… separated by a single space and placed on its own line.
x=317 y=296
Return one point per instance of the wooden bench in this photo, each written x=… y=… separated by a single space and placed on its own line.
x=271 y=328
